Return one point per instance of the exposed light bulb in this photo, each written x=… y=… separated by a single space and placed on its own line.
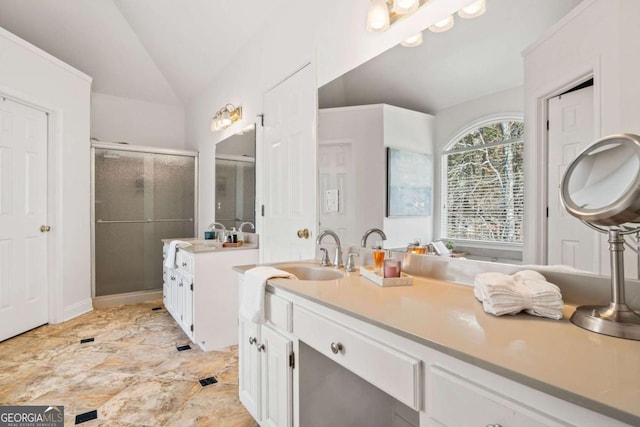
x=474 y=10
x=225 y=119
x=215 y=124
x=443 y=25
x=405 y=7
x=378 y=16
x=413 y=41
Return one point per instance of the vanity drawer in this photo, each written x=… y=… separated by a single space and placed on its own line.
x=184 y=261
x=386 y=368
x=277 y=310
x=458 y=402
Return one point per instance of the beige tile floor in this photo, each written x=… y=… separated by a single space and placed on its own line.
x=132 y=374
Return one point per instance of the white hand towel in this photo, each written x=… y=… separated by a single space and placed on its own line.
x=526 y=290
x=170 y=260
x=252 y=299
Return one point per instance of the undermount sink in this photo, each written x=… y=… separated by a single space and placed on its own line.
x=310 y=272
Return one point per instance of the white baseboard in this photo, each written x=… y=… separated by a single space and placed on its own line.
x=75 y=310
x=128 y=298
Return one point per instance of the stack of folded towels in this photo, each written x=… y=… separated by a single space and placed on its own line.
x=526 y=290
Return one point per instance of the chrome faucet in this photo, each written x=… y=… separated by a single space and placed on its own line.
x=253 y=227
x=214 y=226
x=337 y=262
x=369 y=232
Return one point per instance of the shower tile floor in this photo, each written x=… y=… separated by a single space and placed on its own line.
x=131 y=373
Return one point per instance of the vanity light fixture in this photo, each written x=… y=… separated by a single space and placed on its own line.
x=413 y=41
x=443 y=25
x=384 y=13
x=405 y=7
x=378 y=16
x=225 y=117
x=474 y=10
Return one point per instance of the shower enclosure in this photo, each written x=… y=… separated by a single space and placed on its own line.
x=140 y=196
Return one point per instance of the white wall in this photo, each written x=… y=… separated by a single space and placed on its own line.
x=600 y=38
x=363 y=126
x=372 y=128
x=29 y=74
x=412 y=131
x=452 y=121
x=331 y=33
x=117 y=119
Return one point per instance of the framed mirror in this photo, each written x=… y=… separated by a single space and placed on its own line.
x=235 y=185
x=471 y=81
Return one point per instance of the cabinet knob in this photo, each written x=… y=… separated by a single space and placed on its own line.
x=184 y=264
x=304 y=233
x=173 y=277
x=261 y=347
x=45 y=228
x=336 y=347
x=252 y=340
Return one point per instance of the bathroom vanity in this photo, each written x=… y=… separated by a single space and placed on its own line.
x=347 y=352
x=200 y=292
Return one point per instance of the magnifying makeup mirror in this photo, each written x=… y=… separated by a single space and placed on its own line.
x=601 y=187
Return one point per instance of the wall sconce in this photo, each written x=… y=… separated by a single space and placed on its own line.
x=225 y=117
x=384 y=13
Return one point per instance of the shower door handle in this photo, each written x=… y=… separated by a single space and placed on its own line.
x=142 y=221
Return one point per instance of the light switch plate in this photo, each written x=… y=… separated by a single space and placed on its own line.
x=331 y=200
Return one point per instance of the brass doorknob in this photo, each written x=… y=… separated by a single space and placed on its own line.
x=45 y=228
x=304 y=233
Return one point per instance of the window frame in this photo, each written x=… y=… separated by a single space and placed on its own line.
x=446 y=150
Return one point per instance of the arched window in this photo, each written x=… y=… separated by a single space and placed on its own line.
x=483 y=184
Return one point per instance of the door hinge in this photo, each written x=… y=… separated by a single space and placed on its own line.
x=547 y=211
x=262 y=210
x=261 y=119
x=192 y=286
x=547 y=124
x=191 y=327
x=292 y=360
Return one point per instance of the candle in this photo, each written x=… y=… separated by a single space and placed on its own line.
x=392 y=268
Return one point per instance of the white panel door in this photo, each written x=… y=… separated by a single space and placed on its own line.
x=336 y=198
x=23 y=210
x=570 y=242
x=289 y=174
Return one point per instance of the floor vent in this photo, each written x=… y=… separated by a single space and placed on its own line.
x=184 y=347
x=208 y=381
x=156 y=308
x=86 y=340
x=87 y=416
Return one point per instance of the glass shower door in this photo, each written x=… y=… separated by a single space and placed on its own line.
x=140 y=198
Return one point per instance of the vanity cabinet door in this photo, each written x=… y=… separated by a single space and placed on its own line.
x=249 y=366
x=186 y=307
x=172 y=299
x=277 y=378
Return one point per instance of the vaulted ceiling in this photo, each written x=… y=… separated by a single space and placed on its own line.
x=166 y=51
x=161 y=51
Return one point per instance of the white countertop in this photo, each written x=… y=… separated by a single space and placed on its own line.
x=201 y=245
x=595 y=371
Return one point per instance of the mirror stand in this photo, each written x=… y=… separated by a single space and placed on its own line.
x=616 y=319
